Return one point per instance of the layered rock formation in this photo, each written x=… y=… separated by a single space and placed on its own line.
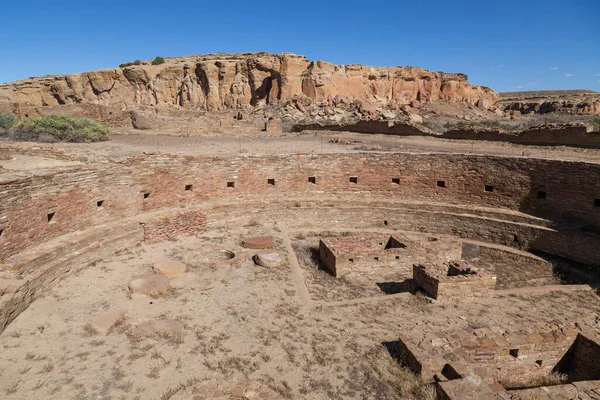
x=223 y=81
x=580 y=102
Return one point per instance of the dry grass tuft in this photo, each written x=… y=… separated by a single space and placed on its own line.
x=550 y=379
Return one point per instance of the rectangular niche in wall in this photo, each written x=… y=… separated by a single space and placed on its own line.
x=354 y=179
x=441 y=184
x=489 y=188
x=312 y=179
x=188 y=187
x=1 y=232
x=271 y=181
x=100 y=203
x=230 y=184
x=51 y=216
x=596 y=202
x=541 y=195
x=395 y=181
x=146 y=195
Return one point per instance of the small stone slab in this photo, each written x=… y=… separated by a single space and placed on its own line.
x=258 y=242
x=170 y=267
x=269 y=260
x=150 y=285
x=104 y=322
x=160 y=327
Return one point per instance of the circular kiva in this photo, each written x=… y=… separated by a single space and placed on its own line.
x=150 y=284
x=170 y=267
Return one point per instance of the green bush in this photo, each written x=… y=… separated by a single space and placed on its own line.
x=128 y=64
x=491 y=124
x=7 y=120
x=59 y=128
x=158 y=60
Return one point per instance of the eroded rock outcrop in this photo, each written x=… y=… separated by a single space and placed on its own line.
x=580 y=102
x=224 y=81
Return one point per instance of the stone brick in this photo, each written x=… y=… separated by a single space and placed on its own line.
x=104 y=322
x=258 y=242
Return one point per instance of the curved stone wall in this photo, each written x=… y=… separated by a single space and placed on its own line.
x=36 y=207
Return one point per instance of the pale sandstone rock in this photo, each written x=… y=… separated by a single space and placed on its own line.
x=170 y=267
x=268 y=259
x=150 y=284
x=161 y=327
x=258 y=242
x=104 y=322
x=415 y=118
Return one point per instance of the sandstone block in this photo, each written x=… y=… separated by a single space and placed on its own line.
x=170 y=267
x=150 y=284
x=104 y=322
x=258 y=242
x=268 y=259
x=161 y=327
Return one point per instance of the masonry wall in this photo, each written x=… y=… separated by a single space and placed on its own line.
x=582 y=362
x=327 y=258
x=151 y=182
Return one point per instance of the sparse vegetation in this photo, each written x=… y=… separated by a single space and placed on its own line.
x=58 y=128
x=7 y=120
x=490 y=124
x=158 y=60
x=550 y=379
x=129 y=64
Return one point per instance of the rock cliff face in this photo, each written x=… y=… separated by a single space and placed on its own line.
x=580 y=102
x=223 y=81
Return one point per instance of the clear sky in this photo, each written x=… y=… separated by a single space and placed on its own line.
x=508 y=45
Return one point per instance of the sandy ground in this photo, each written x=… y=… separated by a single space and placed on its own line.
x=315 y=142
x=22 y=162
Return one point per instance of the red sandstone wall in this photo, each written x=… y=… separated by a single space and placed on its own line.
x=73 y=193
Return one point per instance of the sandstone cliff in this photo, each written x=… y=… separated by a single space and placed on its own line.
x=580 y=102
x=223 y=81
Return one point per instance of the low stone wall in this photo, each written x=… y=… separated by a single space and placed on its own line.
x=544 y=135
x=36 y=271
x=582 y=362
x=441 y=283
x=493 y=353
x=382 y=127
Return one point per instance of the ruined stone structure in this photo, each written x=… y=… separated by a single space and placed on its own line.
x=454 y=280
x=483 y=362
x=56 y=222
x=432 y=191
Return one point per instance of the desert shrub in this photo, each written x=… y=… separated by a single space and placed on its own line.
x=158 y=60
x=128 y=64
x=7 y=120
x=595 y=124
x=59 y=128
x=491 y=124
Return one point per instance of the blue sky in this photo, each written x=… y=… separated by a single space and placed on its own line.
x=507 y=45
